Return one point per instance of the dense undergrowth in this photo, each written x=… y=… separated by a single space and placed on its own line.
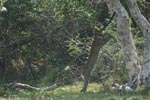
x=95 y=92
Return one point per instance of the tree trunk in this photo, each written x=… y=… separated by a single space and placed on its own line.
x=98 y=42
x=126 y=39
x=144 y=25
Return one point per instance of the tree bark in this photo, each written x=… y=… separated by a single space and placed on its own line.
x=126 y=39
x=144 y=25
x=98 y=42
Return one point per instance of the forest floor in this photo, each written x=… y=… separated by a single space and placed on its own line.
x=95 y=92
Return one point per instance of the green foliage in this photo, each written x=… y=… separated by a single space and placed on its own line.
x=2 y=3
x=50 y=35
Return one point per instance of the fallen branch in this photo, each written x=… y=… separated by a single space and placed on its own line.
x=27 y=86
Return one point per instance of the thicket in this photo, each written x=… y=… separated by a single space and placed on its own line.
x=48 y=41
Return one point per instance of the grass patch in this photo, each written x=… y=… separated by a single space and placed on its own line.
x=95 y=92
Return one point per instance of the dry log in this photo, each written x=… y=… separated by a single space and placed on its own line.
x=27 y=86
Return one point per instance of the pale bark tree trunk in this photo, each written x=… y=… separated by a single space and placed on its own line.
x=126 y=39
x=144 y=25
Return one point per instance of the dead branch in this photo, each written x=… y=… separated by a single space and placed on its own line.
x=27 y=86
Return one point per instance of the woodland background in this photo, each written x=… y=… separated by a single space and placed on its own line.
x=43 y=42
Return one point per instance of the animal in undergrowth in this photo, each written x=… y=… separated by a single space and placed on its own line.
x=122 y=88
